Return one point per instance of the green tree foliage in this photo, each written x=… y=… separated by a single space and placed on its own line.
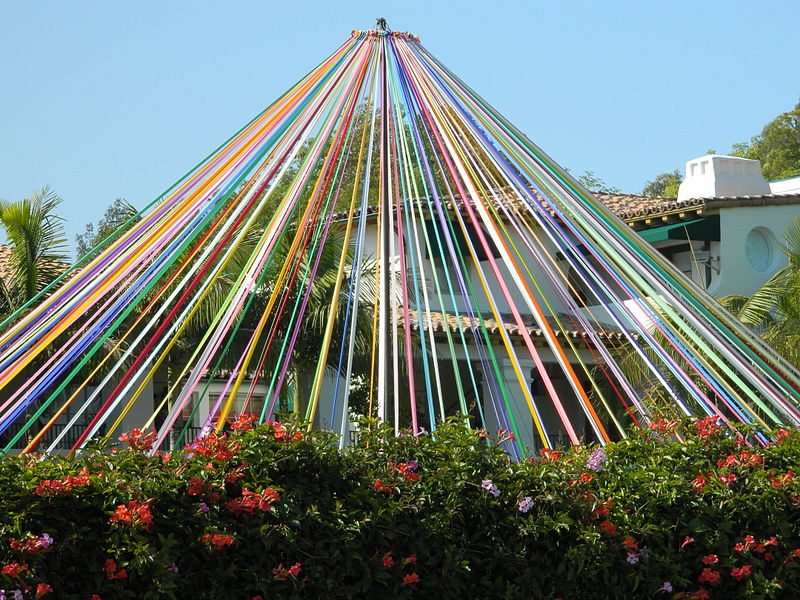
x=665 y=185
x=118 y=214
x=777 y=146
x=592 y=182
x=38 y=247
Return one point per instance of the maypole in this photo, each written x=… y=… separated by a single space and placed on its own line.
x=381 y=240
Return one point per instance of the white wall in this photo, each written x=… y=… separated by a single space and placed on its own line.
x=746 y=263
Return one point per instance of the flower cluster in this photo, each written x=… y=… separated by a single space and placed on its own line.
x=251 y=501
x=282 y=434
x=243 y=422
x=197 y=487
x=138 y=441
x=111 y=570
x=407 y=470
x=215 y=446
x=746 y=458
x=707 y=427
x=664 y=426
x=62 y=487
x=217 y=540
x=138 y=514
x=14 y=569
x=379 y=485
x=387 y=560
x=781 y=480
x=525 y=504
x=596 y=460
x=33 y=544
x=490 y=487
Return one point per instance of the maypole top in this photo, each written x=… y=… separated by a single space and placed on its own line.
x=382 y=30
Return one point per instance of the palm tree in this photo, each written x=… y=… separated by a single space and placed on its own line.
x=37 y=247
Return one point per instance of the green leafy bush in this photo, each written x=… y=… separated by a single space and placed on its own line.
x=682 y=510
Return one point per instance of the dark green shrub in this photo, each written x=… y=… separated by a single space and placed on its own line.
x=274 y=513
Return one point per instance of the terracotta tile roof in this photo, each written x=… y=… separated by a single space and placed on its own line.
x=631 y=206
x=437 y=321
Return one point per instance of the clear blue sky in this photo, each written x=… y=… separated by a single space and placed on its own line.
x=109 y=99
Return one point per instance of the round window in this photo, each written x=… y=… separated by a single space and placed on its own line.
x=759 y=248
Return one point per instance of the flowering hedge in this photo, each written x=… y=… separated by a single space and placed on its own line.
x=273 y=513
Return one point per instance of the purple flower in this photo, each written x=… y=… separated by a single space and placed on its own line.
x=174 y=568
x=665 y=587
x=17 y=594
x=596 y=460
x=525 y=504
x=2 y=595
x=45 y=541
x=487 y=485
x=633 y=557
x=203 y=508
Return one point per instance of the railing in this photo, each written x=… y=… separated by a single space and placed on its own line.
x=65 y=443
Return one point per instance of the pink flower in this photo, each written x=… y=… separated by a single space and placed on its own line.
x=490 y=487
x=525 y=504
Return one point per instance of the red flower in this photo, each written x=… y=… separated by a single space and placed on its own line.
x=779 y=480
x=13 y=569
x=382 y=487
x=110 y=568
x=701 y=594
x=135 y=513
x=727 y=479
x=552 y=455
x=741 y=572
x=711 y=559
x=630 y=543
x=410 y=560
x=664 y=426
x=218 y=540
x=686 y=541
x=410 y=578
x=280 y=573
x=701 y=481
x=43 y=589
x=608 y=527
x=387 y=560
x=63 y=487
x=707 y=427
x=243 y=422
x=250 y=501
x=709 y=576
x=138 y=441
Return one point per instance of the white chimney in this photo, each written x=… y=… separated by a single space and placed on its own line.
x=718 y=175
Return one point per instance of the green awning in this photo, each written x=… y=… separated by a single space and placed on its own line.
x=706 y=230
